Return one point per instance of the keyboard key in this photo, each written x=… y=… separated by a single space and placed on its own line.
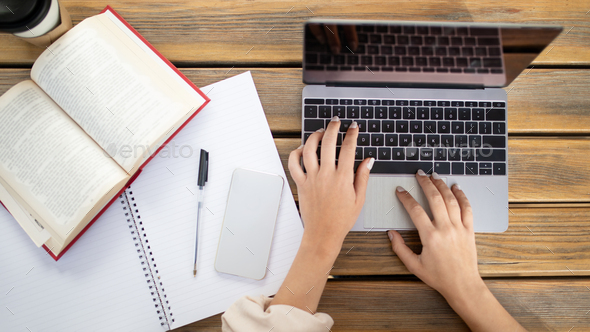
x=426 y=154
x=419 y=140
x=474 y=141
x=464 y=114
x=370 y=153
x=402 y=103
x=446 y=140
x=377 y=139
x=436 y=113
x=401 y=126
x=467 y=154
x=450 y=113
x=367 y=112
x=499 y=104
x=457 y=104
x=393 y=61
x=352 y=112
x=395 y=113
x=442 y=168
x=312 y=125
x=325 y=112
x=388 y=102
x=491 y=154
x=440 y=154
x=485 y=171
x=415 y=102
x=416 y=126
x=485 y=104
x=477 y=113
x=374 y=126
x=470 y=127
x=458 y=168
x=396 y=167
x=387 y=127
x=374 y=102
x=358 y=154
x=485 y=127
x=454 y=154
x=360 y=102
x=444 y=127
x=380 y=112
x=496 y=114
x=398 y=154
x=305 y=137
x=344 y=124
x=471 y=169
x=461 y=141
x=412 y=154
x=405 y=140
x=363 y=140
x=429 y=103
x=384 y=154
x=499 y=169
x=422 y=113
x=462 y=62
x=499 y=128
x=331 y=101
x=311 y=111
x=310 y=101
x=391 y=139
x=409 y=112
x=443 y=103
x=430 y=127
x=345 y=101
x=457 y=127
x=362 y=124
x=339 y=139
x=433 y=140
x=339 y=111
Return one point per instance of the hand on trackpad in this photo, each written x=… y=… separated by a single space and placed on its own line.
x=382 y=207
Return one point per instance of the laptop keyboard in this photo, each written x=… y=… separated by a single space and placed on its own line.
x=455 y=137
x=409 y=48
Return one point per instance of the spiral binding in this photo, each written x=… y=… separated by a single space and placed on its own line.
x=148 y=263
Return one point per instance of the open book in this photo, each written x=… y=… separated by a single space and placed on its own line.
x=100 y=104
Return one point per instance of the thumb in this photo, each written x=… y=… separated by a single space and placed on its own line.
x=405 y=254
x=362 y=178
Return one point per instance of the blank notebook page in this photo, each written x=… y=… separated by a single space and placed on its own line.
x=233 y=128
x=97 y=285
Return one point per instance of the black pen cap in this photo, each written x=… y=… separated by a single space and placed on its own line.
x=203 y=168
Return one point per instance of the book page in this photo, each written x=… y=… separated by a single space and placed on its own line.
x=125 y=101
x=47 y=161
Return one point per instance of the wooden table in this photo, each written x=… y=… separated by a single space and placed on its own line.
x=538 y=269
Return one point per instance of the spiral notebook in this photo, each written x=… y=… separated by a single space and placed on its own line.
x=133 y=269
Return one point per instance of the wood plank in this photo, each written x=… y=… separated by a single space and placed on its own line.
x=205 y=33
x=541 y=169
x=538 y=242
x=404 y=305
x=541 y=101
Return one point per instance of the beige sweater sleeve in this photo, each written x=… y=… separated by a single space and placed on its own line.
x=255 y=314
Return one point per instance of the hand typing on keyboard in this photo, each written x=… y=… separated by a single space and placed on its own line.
x=448 y=262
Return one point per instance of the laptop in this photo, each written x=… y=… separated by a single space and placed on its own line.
x=426 y=95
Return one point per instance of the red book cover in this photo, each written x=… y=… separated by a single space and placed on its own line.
x=155 y=153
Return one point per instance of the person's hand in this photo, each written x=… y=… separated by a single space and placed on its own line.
x=330 y=196
x=329 y=33
x=448 y=262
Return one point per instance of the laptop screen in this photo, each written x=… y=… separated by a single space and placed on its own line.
x=420 y=54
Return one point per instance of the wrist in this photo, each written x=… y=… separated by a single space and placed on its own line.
x=321 y=246
x=468 y=296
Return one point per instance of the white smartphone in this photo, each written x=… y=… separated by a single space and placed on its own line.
x=249 y=223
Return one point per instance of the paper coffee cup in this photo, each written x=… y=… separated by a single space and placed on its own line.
x=50 y=21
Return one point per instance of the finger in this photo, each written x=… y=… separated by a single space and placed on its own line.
x=295 y=166
x=318 y=32
x=310 y=156
x=435 y=199
x=362 y=178
x=331 y=31
x=466 y=211
x=405 y=254
x=328 y=152
x=419 y=217
x=348 y=149
x=451 y=203
x=351 y=37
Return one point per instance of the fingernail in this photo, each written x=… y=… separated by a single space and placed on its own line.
x=390 y=235
x=435 y=176
x=458 y=187
x=353 y=124
x=370 y=163
x=421 y=172
x=335 y=118
x=300 y=147
x=400 y=189
x=321 y=130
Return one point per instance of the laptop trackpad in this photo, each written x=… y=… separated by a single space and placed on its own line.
x=382 y=207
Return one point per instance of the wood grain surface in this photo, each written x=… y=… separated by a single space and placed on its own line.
x=270 y=32
x=540 y=101
x=402 y=305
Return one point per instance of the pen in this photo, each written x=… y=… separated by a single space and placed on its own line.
x=203 y=175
